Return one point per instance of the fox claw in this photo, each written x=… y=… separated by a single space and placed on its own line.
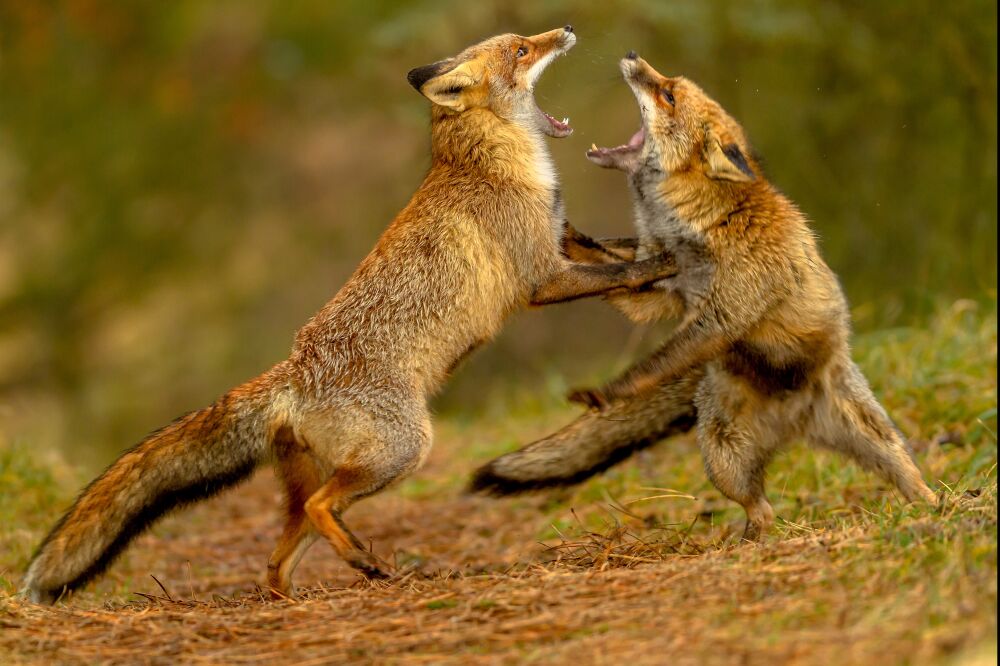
x=368 y=567
x=372 y=572
x=375 y=573
x=590 y=398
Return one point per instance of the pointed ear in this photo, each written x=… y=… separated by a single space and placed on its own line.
x=446 y=84
x=418 y=76
x=728 y=162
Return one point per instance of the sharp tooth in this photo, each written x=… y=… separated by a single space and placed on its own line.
x=566 y=120
x=593 y=146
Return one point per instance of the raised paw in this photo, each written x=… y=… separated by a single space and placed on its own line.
x=590 y=398
x=651 y=270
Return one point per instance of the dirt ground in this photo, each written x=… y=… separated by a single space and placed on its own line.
x=477 y=585
x=640 y=565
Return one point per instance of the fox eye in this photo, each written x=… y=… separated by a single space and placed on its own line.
x=522 y=51
x=667 y=95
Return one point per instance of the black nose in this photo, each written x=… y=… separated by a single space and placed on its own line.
x=568 y=28
x=632 y=55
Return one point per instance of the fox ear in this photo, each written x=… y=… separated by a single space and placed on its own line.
x=728 y=162
x=445 y=84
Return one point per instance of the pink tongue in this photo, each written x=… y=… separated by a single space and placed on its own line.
x=635 y=142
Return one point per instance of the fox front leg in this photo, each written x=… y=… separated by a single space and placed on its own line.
x=581 y=248
x=582 y=280
x=623 y=248
x=691 y=345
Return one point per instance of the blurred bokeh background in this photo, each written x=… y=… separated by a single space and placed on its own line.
x=182 y=184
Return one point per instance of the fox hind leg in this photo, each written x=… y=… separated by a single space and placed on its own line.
x=301 y=479
x=736 y=464
x=295 y=540
x=734 y=451
x=853 y=422
x=364 y=450
x=324 y=508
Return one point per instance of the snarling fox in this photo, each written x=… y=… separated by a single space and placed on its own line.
x=346 y=414
x=760 y=355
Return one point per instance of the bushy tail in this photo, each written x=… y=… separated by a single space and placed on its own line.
x=593 y=442
x=191 y=459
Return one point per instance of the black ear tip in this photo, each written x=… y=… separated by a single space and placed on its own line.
x=418 y=76
x=736 y=156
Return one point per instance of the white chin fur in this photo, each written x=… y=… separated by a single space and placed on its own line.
x=535 y=71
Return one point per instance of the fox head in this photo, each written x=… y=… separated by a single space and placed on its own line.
x=497 y=76
x=683 y=130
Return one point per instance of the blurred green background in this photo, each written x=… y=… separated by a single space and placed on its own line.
x=182 y=184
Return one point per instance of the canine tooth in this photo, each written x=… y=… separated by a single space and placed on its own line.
x=593 y=146
x=566 y=120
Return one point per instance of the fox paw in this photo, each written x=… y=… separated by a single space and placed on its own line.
x=369 y=567
x=590 y=398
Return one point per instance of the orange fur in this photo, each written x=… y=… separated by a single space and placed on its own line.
x=761 y=350
x=347 y=413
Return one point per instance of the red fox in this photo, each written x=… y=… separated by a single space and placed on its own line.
x=346 y=414
x=760 y=355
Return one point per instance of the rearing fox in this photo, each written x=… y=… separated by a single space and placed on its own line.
x=760 y=356
x=347 y=413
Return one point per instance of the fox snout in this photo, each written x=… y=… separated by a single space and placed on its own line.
x=557 y=41
x=629 y=65
x=639 y=72
x=565 y=35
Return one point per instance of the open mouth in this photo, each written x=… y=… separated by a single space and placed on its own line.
x=547 y=122
x=625 y=156
x=556 y=128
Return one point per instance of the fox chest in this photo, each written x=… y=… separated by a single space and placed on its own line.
x=557 y=216
x=657 y=225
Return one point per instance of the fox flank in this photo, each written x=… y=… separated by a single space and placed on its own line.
x=346 y=414
x=763 y=326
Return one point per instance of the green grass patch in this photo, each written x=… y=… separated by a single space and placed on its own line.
x=33 y=492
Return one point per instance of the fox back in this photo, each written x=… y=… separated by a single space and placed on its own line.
x=346 y=414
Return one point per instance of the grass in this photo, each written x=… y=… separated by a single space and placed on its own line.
x=32 y=493
x=639 y=564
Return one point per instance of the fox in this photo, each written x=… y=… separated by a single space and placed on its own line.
x=760 y=354
x=346 y=413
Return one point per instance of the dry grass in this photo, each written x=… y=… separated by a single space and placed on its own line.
x=837 y=595
x=619 y=569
